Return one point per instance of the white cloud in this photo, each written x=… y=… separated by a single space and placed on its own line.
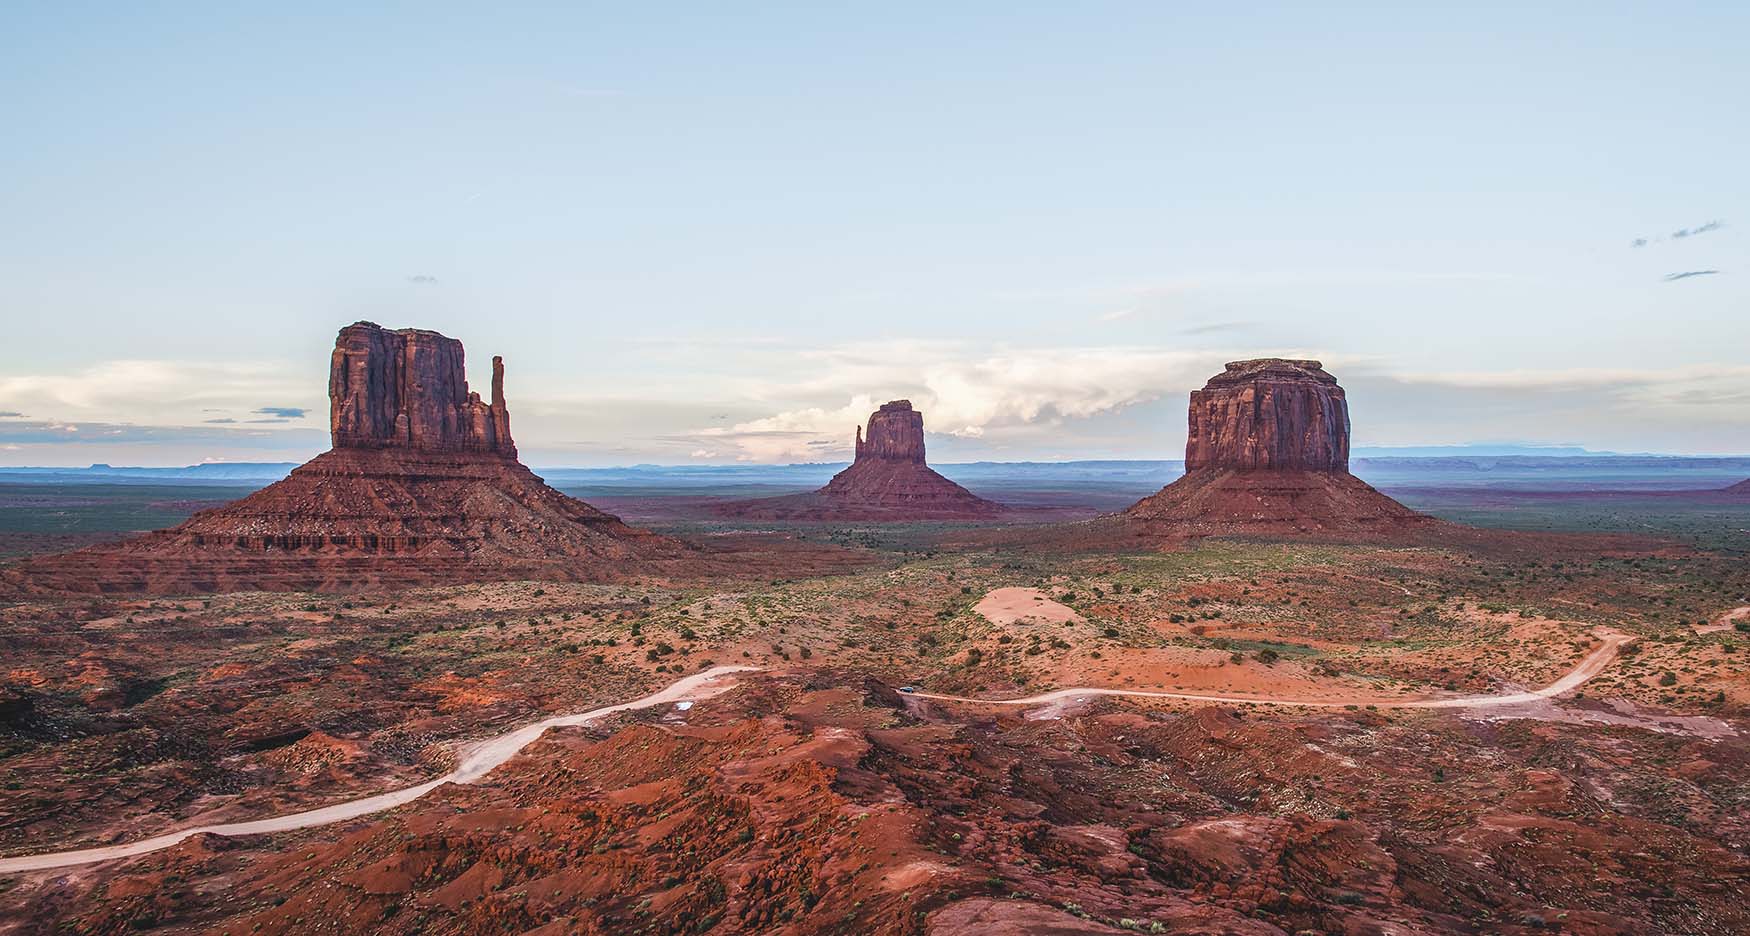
x=1027 y=401
x=1004 y=396
x=152 y=392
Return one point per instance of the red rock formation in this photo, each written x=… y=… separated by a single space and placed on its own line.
x=407 y=389
x=422 y=485
x=896 y=433
x=1268 y=452
x=887 y=481
x=1269 y=413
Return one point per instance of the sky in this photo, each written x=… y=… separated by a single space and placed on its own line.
x=701 y=234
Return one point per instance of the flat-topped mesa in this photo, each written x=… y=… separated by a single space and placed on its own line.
x=408 y=389
x=1268 y=453
x=1269 y=414
x=896 y=433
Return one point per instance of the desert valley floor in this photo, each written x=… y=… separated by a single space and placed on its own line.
x=803 y=790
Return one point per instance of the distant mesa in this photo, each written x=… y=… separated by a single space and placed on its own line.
x=1741 y=489
x=422 y=485
x=888 y=481
x=1268 y=452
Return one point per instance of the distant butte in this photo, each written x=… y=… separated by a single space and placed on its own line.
x=422 y=485
x=887 y=481
x=1267 y=452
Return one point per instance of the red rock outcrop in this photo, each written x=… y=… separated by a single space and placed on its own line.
x=422 y=485
x=896 y=433
x=1269 y=414
x=888 y=481
x=408 y=389
x=1268 y=452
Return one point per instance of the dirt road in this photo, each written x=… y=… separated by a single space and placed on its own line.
x=479 y=759
x=486 y=755
x=1593 y=664
x=1725 y=621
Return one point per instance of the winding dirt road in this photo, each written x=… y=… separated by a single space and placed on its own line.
x=480 y=759
x=486 y=755
x=1725 y=621
x=1593 y=664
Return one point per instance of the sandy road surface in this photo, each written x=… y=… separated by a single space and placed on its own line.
x=1592 y=665
x=478 y=760
x=1725 y=621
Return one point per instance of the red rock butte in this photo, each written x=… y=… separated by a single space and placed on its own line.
x=407 y=389
x=887 y=481
x=422 y=485
x=1269 y=414
x=1267 y=452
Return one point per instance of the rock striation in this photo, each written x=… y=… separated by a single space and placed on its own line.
x=408 y=389
x=1269 y=413
x=888 y=481
x=896 y=433
x=1267 y=451
x=422 y=485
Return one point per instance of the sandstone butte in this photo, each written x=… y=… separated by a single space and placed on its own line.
x=887 y=481
x=422 y=485
x=1267 y=452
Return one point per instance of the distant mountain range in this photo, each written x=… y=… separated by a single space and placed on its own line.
x=1454 y=467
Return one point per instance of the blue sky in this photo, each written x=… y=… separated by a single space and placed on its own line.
x=703 y=234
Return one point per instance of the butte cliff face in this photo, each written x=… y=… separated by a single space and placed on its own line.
x=1269 y=414
x=408 y=389
x=896 y=434
x=422 y=485
x=888 y=481
x=1268 y=452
